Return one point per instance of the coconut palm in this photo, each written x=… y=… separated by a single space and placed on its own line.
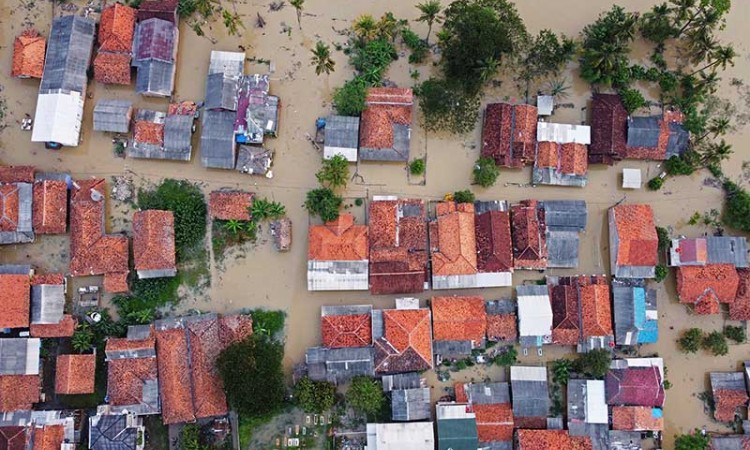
x=488 y=68
x=716 y=152
x=276 y=210
x=430 y=14
x=388 y=27
x=656 y=24
x=558 y=88
x=205 y=7
x=322 y=59
x=260 y=209
x=365 y=28
x=233 y=226
x=701 y=44
x=298 y=5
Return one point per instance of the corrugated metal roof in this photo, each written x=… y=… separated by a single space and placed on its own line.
x=398 y=436
x=563 y=133
x=230 y=63
x=47 y=303
x=155 y=78
x=644 y=131
x=452 y=349
x=727 y=250
x=596 y=405
x=411 y=404
x=410 y=380
x=113 y=115
x=545 y=105
x=341 y=137
x=58 y=118
x=552 y=176
x=178 y=135
x=23 y=233
x=565 y=215
x=534 y=311
x=530 y=391
x=678 y=140
x=19 y=356
x=562 y=248
x=487 y=393
x=254 y=160
x=217 y=140
x=731 y=381
x=221 y=91
x=337 y=275
x=625 y=440
x=68 y=56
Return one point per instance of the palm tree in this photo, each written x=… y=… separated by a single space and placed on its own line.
x=488 y=68
x=83 y=339
x=260 y=209
x=276 y=210
x=430 y=13
x=205 y=7
x=720 y=57
x=701 y=44
x=231 y=21
x=714 y=153
x=322 y=59
x=298 y=5
x=233 y=226
x=559 y=88
x=656 y=24
x=365 y=28
x=387 y=27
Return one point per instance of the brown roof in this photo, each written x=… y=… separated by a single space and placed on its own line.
x=551 y=440
x=14 y=438
x=116 y=28
x=75 y=374
x=565 y=317
x=17 y=174
x=529 y=239
x=494 y=244
x=184 y=108
x=9 y=206
x=596 y=310
x=740 y=308
x=48 y=437
x=153 y=240
x=339 y=240
x=660 y=151
x=15 y=301
x=574 y=159
x=126 y=376
x=608 y=129
x=47 y=278
x=385 y=107
x=50 y=207
x=509 y=134
x=727 y=401
x=636 y=232
x=65 y=328
x=147 y=132
x=113 y=68
x=453 y=240
x=406 y=344
x=459 y=319
x=28 y=55
x=161 y=9
x=494 y=422
x=347 y=330
x=636 y=418
x=18 y=392
x=707 y=286
x=174 y=376
x=502 y=327
x=230 y=205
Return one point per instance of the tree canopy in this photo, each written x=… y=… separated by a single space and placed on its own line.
x=594 y=363
x=605 y=47
x=365 y=395
x=334 y=173
x=737 y=207
x=314 y=396
x=324 y=203
x=693 y=441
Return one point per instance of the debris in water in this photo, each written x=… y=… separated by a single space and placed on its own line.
x=276 y=6
x=260 y=22
x=122 y=189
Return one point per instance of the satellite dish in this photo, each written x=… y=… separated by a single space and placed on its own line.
x=96 y=317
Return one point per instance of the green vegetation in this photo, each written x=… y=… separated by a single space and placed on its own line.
x=655 y=183
x=325 y=203
x=417 y=166
x=561 y=371
x=737 y=207
x=429 y=14
x=264 y=209
x=268 y=322
x=486 y=172
x=594 y=363
x=632 y=99
x=321 y=59
x=716 y=343
x=605 y=47
x=506 y=356
x=190 y=438
x=447 y=107
x=365 y=395
x=418 y=47
x=314 y=396
x=693 y=441
x=545 y=56
x=680 y=165
x=664 y=240
x=465 y=196
x=349 y=100
x=737 y=334
x=83 y=338
x=334 y=173
x=298 y=6
x=690 y=341
x=661 y=273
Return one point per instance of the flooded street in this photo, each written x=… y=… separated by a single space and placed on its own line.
x=264 y=278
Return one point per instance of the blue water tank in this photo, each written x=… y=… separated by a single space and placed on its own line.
x=320 y=123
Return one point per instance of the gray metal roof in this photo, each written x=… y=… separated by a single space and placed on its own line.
x=678 y=140
x=457 y=434
x=399 y=151
x=19 y=356
x=155 y=78
x=481 y=207
x=411 y=404
x=113 y=115
x=452 y=348
x=410 y=380
x=552 y=176
x=339 y=365
x=625 y=440
x=138 y=332
x=493 y=393
x=337 y=275
x=576 y=400
x=232 y=63
x=345 y=310
x=736 y=442
x=178 y=135
x=501 y=307
x=68 y=54
x=217 y=140
x=565 y=215
x=254 y=160
x=562 y=248
x=730 y=381
x=15 y=269
x=598 y=432
x=530 y=396
x=47 y=303
x=342 y=132
x=644 y=131
x=221 y=91
x=110 y=432
x=727 y=250
x=23 y=233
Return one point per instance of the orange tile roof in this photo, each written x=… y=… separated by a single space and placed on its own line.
x=50 y=207
x=126 y=376
x=18 y=392
x=339 y=240
x=385 y=107
x=494 y=422
x=28 y=55
x=407 y=341
x=494 y=243
x=9 y=204
x=502 y=327
x=529 y=239
x=707 y=286
x=636 y=231
x=509 y=134
x=116 y=28
x=113 y=68
x=153 y=240
x=547 y=155
x=185 y=108
x=75 y=374
x=146 y=132
x=350 y=330
x=459 y=319
x=208 y=392
x=727 y=401
x=453 y=240
x=596 y=310
x=15 y=301
x=65 y=328
x=48 y=437
x=574 y=159
x=174 y=376
x=565 y=316
x=636 y=418
x=551 y=440
x=230 y=205
x=47 y=278
x=740 y=308
x=17 y=174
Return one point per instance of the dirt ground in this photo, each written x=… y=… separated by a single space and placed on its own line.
x=264 y=278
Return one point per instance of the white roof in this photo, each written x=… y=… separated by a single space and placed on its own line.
x=349 y=153
x=545 y=104
x=631 y=178
x=534 y=315
x=407 y=303
x=398 y=436
x=230 y=63
x=58 y=118
x=596 y=405
x=647 y=362
x=563 y=133
x=452 y=410
x=528 y=373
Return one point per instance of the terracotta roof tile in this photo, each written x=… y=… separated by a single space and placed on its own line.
x=174 y=376
x=17 y=174
x=740 y=308
x=112 y=68
x=126 y=376
x=407 y=341
x=9 y=205
x=494 y=422
x=636 y=418
x=75 y=374
x=153 y=240
x=184 y=108
x=608 y=129
x=494 y=244
x=352 y=330
x=15 y=301
x=727 y=403
x=50 y=207
x=14 y=438
x=454 y=249
x=529 y=239
x=230 y=205
x=509 y=134
x=116 y=28
x=459 y=319
x=596 y=310
x=634 y=386
x=574 y=159
x=115 y=283
x=28 y=55
x=65 y=328
x=48 y=437
x=47 y=278
x=565 y=317
x=546 y=155
x=636 y=231
x=161 y=9
x=707 y=286
x=339 y=240
x=18 y=392
x=147 y=132
x=205 y=346
x=660 y=151
x=551 y=440
x=385 y=108
x=502 y=327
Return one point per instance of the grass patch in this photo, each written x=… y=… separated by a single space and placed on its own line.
x=157 y=433
x=229 y=233
x=268 y=322
x=248 y=425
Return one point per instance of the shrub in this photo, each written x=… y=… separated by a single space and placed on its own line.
x=507 y=357
x=594 y=363
x=694 y=441
x=737 y=334
x=655 y=183
x=447 y=107
x=678 y=165
x=417 y=166
x=690 y=341
x=190 y=438
x=661 y=273
x=365 y=395
x=83 y=338
x=268 y=322
x=314 y=396
x=186 y=8
x=349 y=99
x=632 y=99
x=373 y=59
x=465 y=196
x=417 y=45
x=334 y=173
x=716 y=343
x=561 y=371
x=486 y=172
x=664 y=240
x=737 y=207
x=324 y=203
x=263 y=209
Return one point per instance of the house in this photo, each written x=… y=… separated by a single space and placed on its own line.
x=16 y=199
x=20 y=384
x=411 y=404
x=148 y=133
x=633 y=242
x=14 y=437
x=59 y=109
x=729 y=394
x=635 y=382
x=385 y=124
x=739 y=309
x=596 y=313
x=112 y=62
x=113 y=116
x=456 y=427
x=341 y=137
x=529 y=236
x=509 y=134
x=48 y=318
x=566 y=305
x=339 y=365
x=631 y=178
x=587 y=412
x=154 y=56
x=635 y=313
x=564 y=220
x=709 y=250
x=706 y=287
x=656 y=137
x=153 y=244
x=160 y=9
x=92 y=252
x=396 y=436
x=490 y=402
x=563 y=133
x=560 y=164
x=502 y=321
x=535 y=316
x=338 y=256
x=132 y=372
x=530 y=396
x=178 y=131
x=221 y=91
x=218 y=146
x=608 y=129
x=729 y=442
x=47 y=433
x=346 y=326
x=411 y=380
x=459 y=325
x=49 y=213
x=493 y=240
x=398 y=246
x=637 y=418
x=402 y=338
x=230 y=63
x=254 y=160
x=187 y=348
x=15 y=296
x=28 y=55
x=116 y=432
x=74 y=374
x=257 y=111
x=550 y=440
x=230 y=205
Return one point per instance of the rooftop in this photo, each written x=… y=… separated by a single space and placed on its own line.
x=565 y=314
x=68 y=54
x=635 y=231
x=17 y=174
x=493 y=240
x=635 y=386
x=65 y=328
x=50 y=207
x=74 y=374
x=346 y=326
x=28 y=54
x=230 y=205
x=729 y=394
x=459 y=319
x=596 y=309
x=154 y=243
x=501 y=321
x=637 y=418
x=132 y=377
x=551 y=440
x=116 y=27
x=529 y=240
x=338 y=240
x=453 y=241
x=406 y=344
x=385 y=124
x=19 y=392
x=162 y=9
x=509 y=134
x=14 y=438
x=740 y=308
x=561 y=164
x=608 y=129
x=112 y=68
x=15 y=300
x=706 y=287
x=113 y=115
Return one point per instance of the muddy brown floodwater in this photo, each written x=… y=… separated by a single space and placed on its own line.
x=264 y=278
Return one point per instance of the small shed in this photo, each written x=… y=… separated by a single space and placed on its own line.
x=631 y=178
x=281 y=230
x=217 y=140
x=545 y=104
x=113 y=116
x=254 y=160
x=341 y=137
x=411 y=404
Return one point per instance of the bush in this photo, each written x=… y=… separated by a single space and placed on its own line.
x=716 y=343
x=83 y=338
x=186 y=8
x=324 y=203
x=268 y=322
x=561 y=371
x=447 y=107
x=737 y=334
x=694 y=441
x=661 y=273
x=190 y=438
x=417 y=166
x=632 y=99
x=465 y=196
x=486 y=172
x=263 y=209
x=664 y=241
x=417 y=45
x=655 y=183
x=737 y=207
x=373 y=59
x=507 y=357
x=334 y=173
x=678 y=165
x=314 y=396
x=349 y=99
x=690 y=341
x=365 y=395
x=594 y=363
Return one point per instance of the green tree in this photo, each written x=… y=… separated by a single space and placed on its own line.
x=314 y=396
x=660 y=273
x=664 y=240
x=263 y=209
x=507 y=356
x=655 y=183
x=233 y=226
x=632 y=99
x=252 y=375
x=715 y=152
x=365 y=28
x=679 y=165
x=190 y=438
x=83 y=338
x=298 y=7
x=349 y=100
x=720 y=56
x=321 y=59
x=447 y=107
x=736 y=207
x=605 y=46
x=186 y=8
x=561 y=370
x=690 y=341
x=693 y=441
x=429 y=12
x=486 y=172
x=324 y=203
x=716 y=343
x=231 y=22
x=365 y=395
x=594 y=364
x=737 y=334
x=334 y=173
x=546 y=55
x=657 y=25
x=417 y=166
x=465 y=196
